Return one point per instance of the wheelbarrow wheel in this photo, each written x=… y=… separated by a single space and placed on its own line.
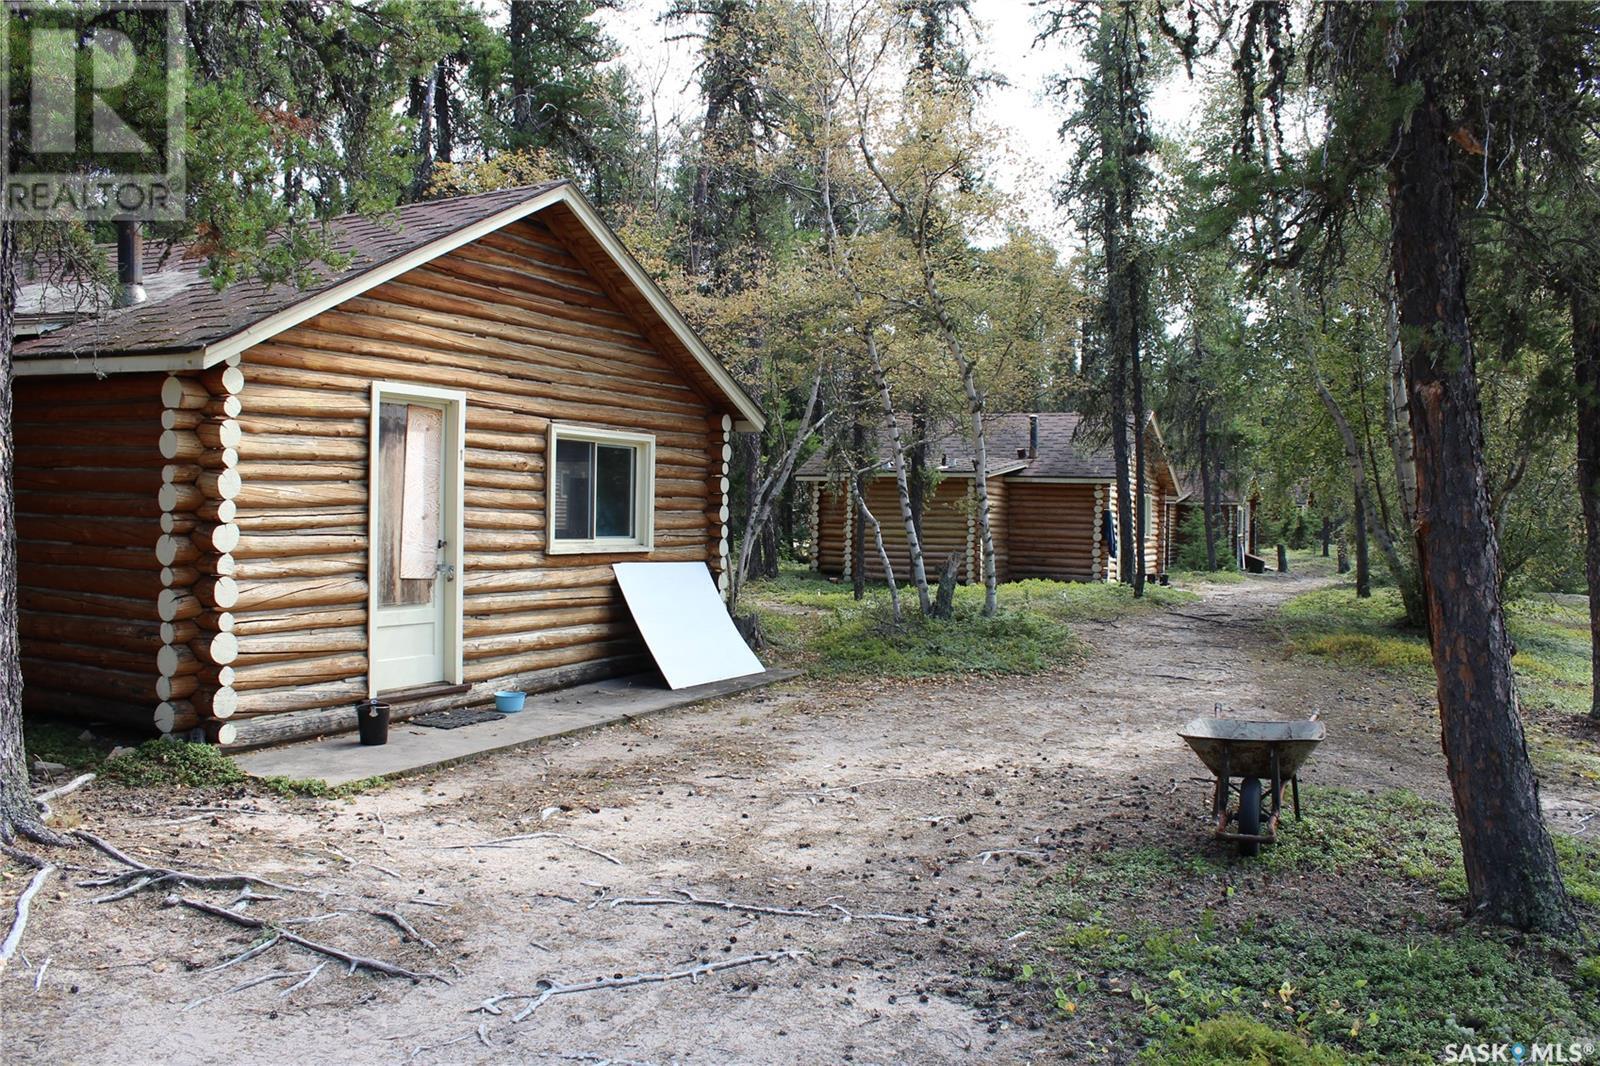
x=1250 y=815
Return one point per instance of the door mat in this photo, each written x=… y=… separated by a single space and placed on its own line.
x=456 y=719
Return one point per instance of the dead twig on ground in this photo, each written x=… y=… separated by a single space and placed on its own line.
x=38 y=978
x=506 y=842
x=146 y=876
x=249 y=953
x=355 y=962
x=42 y=800
x=686 y=898
x=983 y=858
x=408 y=930
x=19 y=924
x=548 y=989
x=301 y=978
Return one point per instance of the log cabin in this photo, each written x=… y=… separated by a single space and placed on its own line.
x=1235 y=518
x=1052 y=502
x=242 y=511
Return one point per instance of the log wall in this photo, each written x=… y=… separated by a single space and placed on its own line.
x=520 y=325
x=947 y=520
x=1053 y=531
x=88 y=471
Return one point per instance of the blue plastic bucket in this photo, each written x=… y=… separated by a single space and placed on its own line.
x=509 y=702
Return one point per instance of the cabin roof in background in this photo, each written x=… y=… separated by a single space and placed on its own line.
x=186 y=323
x=1067 y=449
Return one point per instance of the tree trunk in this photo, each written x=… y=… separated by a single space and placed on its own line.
x=1139 y=484
x=980 y=476
x=918 y=473
x=883 y=553
x=897 y=459
x=1397 y=418
x=1586 y=363
x=1327 y=536
x=1208 y=490
x=858 y=539
x=1372 y=522
x=1509 y=859
x=1363 y=547
x=19 y=816
x=1283 y=559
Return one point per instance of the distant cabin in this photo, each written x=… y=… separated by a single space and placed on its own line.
x=1235 y=519
x=1052 y=496
x=241 y=512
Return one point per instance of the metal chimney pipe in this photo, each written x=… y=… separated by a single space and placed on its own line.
x=1033 y=436
x=130 y=264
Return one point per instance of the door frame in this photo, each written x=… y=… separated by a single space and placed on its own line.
x=453 y=520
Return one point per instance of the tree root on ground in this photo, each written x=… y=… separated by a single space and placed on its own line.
x=548 y=990
x=354 y=962
x=142 y=875
x=685 y=898
x=13 y=939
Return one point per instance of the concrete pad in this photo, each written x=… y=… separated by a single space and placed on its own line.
x=338 y=760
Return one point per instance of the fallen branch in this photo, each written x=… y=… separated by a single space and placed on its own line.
x=984 y=857
x=689 y=899
x=76 y=783
x=300 y=977
x=406 y=928
x=505 y=842
x=355 y=962
x=551 y=989
x=249 y=953
x=147 y=876
x=38 y=978
x=13 y=939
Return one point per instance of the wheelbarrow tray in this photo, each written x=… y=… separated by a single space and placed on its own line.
x=1238 y=747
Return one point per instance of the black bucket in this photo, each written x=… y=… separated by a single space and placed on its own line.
x=372 y=718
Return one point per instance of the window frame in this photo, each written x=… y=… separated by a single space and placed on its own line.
x=644 y=490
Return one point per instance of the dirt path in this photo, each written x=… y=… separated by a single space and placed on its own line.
x=936 y=801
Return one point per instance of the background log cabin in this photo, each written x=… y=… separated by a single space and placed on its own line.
x=196 y=500
x=1050 y=490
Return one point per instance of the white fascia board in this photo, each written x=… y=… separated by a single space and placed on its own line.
x=748 y=411
x=101 y=365
x=1061 y=480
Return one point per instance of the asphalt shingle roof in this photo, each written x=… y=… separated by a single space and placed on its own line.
x=1067 y=449
x=185 y=311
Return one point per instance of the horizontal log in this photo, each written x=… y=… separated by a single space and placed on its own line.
x=222 y=734
x=492 y=625
x=177 y=632
x=298 y=620
x=275 y=701
x=299 y=401
x=145 y=584
x=305 y=428
x=132 y=686
x=276 y=545
x=303 y=566
x=300 y=494
x=298 y=672
x=512 y=665
x=264 y=447
x=134 y=714
x=218 y=593
x=175 y=659
x=530 y=641
x=219 y=649
x=38 y=552
x=275 y=470
x=219 y=433
x=186 y=393
x=300 y=592
x=177 y=687
x=293 y=644
x=216 y=702
x=174 y=605
x=176 y=716
x=219 y=484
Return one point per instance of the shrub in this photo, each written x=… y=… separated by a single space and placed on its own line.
x=1232 y=1040
x=173 y=762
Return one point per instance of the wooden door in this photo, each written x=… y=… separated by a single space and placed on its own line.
x=413 y=566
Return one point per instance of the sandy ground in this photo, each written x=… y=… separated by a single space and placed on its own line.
x=922 y=810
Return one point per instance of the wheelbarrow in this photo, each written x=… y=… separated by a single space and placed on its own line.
x=1254 y=753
